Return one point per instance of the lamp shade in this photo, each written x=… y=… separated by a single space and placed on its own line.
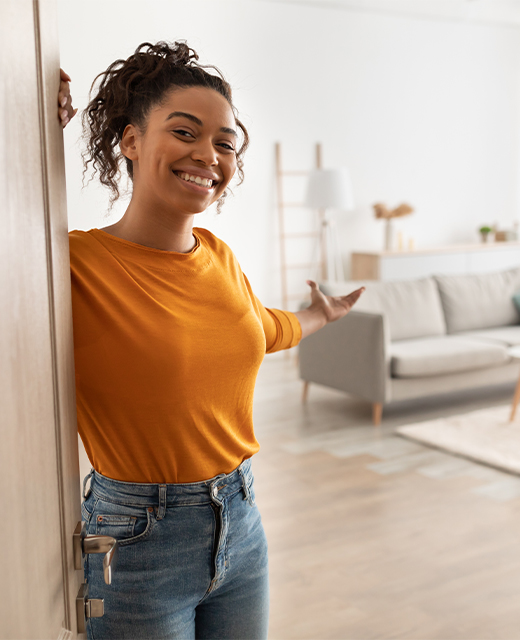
x=330 y=189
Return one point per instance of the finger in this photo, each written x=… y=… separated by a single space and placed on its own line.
x=313 y=284
x=356 y=294
x=63 y=92
x=353 y=297
x=65 y=76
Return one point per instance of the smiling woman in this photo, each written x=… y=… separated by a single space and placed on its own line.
x=182 y=161
x=168 y=340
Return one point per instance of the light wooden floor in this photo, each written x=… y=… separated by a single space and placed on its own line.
x=372 y=536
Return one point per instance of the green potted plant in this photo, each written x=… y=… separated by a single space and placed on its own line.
x=484 y=233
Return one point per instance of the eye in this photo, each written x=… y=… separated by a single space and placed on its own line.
x=183 y=133
x=227 y=146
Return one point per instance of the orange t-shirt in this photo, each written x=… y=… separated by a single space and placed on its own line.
x=167 y=348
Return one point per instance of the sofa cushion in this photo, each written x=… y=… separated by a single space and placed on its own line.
x=442 y=355
x=412 y=307
x=509 y=336
x=479 y=301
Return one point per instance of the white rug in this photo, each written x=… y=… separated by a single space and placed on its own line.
x=485 y=435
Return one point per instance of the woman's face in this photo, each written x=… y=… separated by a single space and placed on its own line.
x=187 y=156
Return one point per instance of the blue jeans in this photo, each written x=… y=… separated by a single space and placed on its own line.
x=192 y=559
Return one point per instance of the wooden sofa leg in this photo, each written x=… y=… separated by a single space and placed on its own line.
x=377 y=412
x=305 y=391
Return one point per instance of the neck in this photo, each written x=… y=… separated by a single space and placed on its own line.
x=153 y=228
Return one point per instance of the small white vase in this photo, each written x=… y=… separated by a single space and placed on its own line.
x=389 y=235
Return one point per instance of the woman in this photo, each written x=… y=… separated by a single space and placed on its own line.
x=168 y=340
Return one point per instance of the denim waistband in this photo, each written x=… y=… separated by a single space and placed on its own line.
x=170 y=494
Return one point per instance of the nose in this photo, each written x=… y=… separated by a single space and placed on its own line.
x=204 y=151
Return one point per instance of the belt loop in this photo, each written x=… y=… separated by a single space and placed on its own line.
x=162 y=502
x=86 y=479
x=247 y=493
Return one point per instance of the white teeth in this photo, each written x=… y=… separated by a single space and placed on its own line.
x=205 y=182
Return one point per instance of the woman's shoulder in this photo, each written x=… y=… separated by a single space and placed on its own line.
x=79 y=238
x=215 y=245
x=83 y=246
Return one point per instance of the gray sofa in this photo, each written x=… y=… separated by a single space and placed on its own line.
x=417 y=338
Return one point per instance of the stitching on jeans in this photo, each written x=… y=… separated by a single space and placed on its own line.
x=147 y=504
x=216 y=538
x=87 y=520
x=149 y=528
x=102 y=497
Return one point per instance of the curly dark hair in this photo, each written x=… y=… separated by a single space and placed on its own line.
x=128 y=90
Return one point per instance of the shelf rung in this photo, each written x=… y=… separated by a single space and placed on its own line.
x=295 y=296
x=299 y=266
x=301 y=205
x=309 y=234
x=294 y=173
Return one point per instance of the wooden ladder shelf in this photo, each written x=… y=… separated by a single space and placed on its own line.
x=284 y=234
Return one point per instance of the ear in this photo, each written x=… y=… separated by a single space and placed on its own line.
x=128 y=144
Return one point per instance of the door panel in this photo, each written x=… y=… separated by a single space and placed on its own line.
x=59 y=278
x=39 y=475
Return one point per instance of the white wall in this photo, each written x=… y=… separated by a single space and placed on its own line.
x=420 y=111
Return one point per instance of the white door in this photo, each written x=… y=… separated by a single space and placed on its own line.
x=39 y=471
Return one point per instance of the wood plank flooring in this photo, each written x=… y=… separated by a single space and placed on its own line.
x=373 y=536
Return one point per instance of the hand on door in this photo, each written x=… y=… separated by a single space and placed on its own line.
x=65 y=110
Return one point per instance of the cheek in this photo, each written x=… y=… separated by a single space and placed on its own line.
x=231 y=169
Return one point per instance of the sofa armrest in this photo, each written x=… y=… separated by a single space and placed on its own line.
x=351 y=354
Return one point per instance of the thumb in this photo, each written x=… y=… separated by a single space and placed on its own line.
x=313 y=285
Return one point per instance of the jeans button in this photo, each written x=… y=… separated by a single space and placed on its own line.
x=214 y=491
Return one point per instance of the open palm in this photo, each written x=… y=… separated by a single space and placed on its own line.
x=333 y=307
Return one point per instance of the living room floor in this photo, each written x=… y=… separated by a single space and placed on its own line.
x=372 y=535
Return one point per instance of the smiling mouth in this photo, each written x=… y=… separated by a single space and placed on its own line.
x=201 y=182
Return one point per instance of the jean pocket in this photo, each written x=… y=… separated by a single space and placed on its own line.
x=125 y=523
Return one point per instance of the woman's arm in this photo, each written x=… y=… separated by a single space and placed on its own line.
x=324 y=309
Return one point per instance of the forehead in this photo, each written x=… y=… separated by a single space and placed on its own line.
x=207 y=105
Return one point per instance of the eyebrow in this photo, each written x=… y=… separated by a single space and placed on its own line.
x=189 y=116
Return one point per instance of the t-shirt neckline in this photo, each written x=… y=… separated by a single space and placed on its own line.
x=137 y=246
x=195 y=260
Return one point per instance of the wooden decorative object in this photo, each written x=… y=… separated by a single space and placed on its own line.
x=382 y=211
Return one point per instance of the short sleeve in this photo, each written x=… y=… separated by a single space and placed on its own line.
x=282 y=329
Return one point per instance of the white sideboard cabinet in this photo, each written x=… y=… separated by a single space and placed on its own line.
x=449 y=260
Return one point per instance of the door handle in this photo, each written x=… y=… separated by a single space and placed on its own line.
x=87 y=607
x=82 y=544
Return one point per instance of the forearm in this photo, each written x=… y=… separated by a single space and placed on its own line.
x=311 y=319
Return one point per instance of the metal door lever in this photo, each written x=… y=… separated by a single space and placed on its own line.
x=82 y=544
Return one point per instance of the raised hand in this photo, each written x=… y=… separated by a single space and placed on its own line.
x=324 y=309
x=335 y=307
x=65 y=110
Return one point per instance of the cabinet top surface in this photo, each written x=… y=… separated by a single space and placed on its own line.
x=450 y=248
